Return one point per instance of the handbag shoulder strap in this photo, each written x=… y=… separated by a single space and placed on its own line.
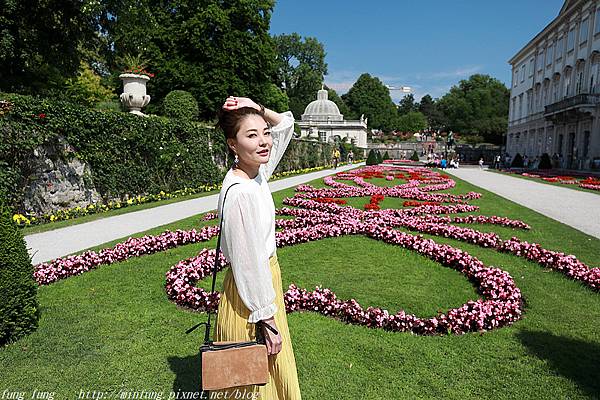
x=217 y=263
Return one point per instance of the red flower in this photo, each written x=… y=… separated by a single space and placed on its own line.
x=42 y=115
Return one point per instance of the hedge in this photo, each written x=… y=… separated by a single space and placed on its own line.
x=19 y=311
x=127 y=154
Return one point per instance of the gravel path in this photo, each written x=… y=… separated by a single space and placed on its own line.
x=48 y=245
x=575 y=208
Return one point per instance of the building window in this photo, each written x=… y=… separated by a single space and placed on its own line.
x=597 y=24
x=516 y=78
x=583 y=31
x=523 y=73
x=531 y=67
x=549 y=55
x=322 y=136
x=571 y=40
x=559 y=48
x=540 y=60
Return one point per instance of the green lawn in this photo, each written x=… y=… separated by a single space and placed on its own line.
x=113 y=328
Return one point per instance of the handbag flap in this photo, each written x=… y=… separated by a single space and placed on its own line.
x=233 y=367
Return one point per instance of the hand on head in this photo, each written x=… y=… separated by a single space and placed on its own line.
x=233 y=103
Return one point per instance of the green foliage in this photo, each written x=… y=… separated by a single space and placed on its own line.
x=517 y=161
x=86 y=88
x=212 y=50
x=301 y=66
x=180 y=104
x=431 y=109
x=379 y=157
x=127 y=154
x=407 y=105
x=477 y=106
x=413 y=121
x=372 y=158
x=19 y=310
x=415 y=156
x=545 y=162
x=39 y=43
x=386 y=155
x=369 y=96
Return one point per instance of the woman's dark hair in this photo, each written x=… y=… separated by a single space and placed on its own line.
x=230 y=121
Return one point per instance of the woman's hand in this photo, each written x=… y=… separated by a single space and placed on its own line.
x=273 y=341
x=233 y=103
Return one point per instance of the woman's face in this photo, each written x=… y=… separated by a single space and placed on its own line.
x=253 y=141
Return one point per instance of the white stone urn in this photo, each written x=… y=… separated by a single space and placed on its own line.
x=134 y=96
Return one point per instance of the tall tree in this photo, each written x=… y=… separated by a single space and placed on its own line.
x=413 y=121
x=39 y=43
x=369 y=96
x=477 y=107
x=301 y=67
x=407 y=104
x=430 y=108
x=213 y=50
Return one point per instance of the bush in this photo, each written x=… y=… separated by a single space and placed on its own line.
x=19 y=311
x=545 y=162
x=415 y=156
x=379 y=157
x=180 y=104
x=127 y=154
x=517 y=162
x=386 y=156
x=372 y=158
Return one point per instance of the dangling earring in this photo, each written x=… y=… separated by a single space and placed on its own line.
x=236 y=161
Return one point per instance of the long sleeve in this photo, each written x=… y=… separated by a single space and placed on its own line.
x=282 y=134
x=243 y=242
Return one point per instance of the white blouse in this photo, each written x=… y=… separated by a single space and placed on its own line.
x=248 y=237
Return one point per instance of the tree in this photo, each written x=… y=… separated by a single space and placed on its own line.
x=477 y=106
x=39 y=44
x=369 y=96
x=407 y=105
x=212 y=51
x=300 y=68
x=431 y=110
x=414 y=121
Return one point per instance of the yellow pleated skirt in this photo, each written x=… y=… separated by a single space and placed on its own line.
x=232 y=325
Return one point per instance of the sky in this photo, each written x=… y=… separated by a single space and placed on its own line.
x=429 y=45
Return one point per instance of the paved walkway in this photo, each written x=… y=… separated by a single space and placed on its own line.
x=46 y=246
x=576 y=208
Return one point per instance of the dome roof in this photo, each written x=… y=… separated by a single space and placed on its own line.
x=322 y=109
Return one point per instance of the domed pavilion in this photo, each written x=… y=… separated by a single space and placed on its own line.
x=322 y=121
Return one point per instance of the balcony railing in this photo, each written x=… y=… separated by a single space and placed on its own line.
x=579 y=100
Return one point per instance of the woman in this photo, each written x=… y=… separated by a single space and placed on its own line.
x=252 y=289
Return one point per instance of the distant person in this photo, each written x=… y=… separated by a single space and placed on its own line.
x=335 y=155
x=444 y=163
x=481 y=163
x=350 y=157
x=497 y=162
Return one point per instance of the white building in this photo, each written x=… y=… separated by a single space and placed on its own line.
x=555 y=91
x=322 y=121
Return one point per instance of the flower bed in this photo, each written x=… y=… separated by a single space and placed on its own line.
x=500 y=303
x=583 y=181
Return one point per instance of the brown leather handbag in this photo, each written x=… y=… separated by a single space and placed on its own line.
x=231 y=364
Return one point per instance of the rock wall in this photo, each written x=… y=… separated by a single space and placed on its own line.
x=57 y=180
